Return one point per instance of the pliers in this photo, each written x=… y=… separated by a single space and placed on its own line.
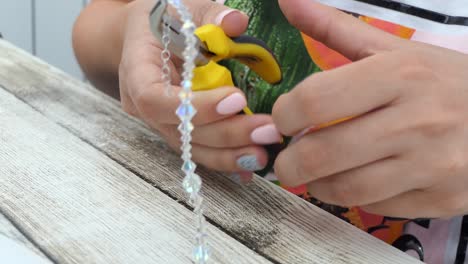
x=213 y=46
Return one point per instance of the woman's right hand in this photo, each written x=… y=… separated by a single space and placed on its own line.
x=222 y=139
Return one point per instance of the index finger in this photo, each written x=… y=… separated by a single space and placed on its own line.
x=348 y=91
x=339 y=31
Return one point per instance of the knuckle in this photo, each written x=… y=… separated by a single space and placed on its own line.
x=228 y=137
x=434 y=122
x=414 y=67
x=453 y=164
x=323 y=27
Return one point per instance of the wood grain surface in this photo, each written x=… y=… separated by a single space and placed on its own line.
x=9 y=232
x=276 y=224
x=82 y=207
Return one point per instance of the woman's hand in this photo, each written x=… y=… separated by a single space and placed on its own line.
x=405 y=154
x=222 y=140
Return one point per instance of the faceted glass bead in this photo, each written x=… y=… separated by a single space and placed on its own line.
x=200 y=222
x=186 y=111
x=189 y=167
x=186 y=84
x=186 y=156
x=188 y=75
x=185 y=127
x=186 y=138
x=186 y=148
x=201 y=254
x=192 y=183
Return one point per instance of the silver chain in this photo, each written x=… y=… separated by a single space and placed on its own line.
x=166 y=57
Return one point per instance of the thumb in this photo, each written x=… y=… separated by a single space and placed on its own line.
x=339 y=31
x=233 y=22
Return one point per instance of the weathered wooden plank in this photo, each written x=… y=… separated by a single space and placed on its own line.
x=261 y=215
x=12 y=242
x=82 y=207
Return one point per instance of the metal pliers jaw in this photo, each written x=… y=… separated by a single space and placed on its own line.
x=158 y=19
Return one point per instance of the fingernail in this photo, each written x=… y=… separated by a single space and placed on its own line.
x=222 y=15
x=267 y=134
x=231 y=104
x=249 y=163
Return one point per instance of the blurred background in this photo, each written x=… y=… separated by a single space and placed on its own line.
x=43 y=28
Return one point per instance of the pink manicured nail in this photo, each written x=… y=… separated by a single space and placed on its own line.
x=231 y=104
x=222 y=15
x=267 y=134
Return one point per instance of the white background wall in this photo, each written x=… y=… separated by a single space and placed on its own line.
x=43 y=28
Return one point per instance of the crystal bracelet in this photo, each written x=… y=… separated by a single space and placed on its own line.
x=192 y=182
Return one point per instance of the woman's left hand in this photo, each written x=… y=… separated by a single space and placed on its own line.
x=405 y=152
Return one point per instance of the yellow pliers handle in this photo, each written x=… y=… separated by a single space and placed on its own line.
x=248 y=50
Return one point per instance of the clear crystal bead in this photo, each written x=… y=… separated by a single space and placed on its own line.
x=192 y=183
x=186 y=111
x=185 y=96
x=186 y=156
x=186 y=84
x=186 y=147
x=186 y=138
x=185 y=127
x=201 y=254
x=189 y=167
